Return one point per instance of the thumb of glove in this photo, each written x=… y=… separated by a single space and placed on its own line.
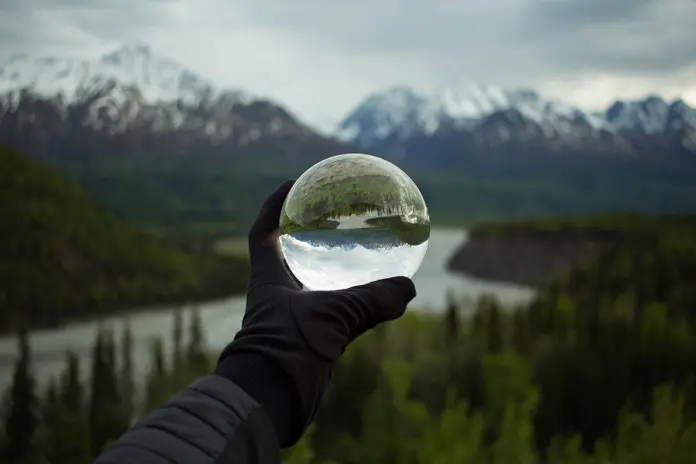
x=379 y=301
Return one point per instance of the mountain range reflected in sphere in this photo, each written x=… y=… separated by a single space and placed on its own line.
x=352 y=219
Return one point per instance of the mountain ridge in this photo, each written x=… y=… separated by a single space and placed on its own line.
x=483 y=119
x=157 y=77
x=135 y=97
x=202 y=167
x=166 y=161
x=133 y=101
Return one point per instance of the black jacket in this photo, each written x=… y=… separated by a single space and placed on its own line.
x=214 y=420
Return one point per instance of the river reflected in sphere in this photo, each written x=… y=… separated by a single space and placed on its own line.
x=352 y=219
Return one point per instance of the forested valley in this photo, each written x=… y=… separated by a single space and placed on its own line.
x=599 y=368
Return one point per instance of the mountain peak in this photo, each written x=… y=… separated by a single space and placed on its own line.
x=382 y=112
x=472 y=99
x=478 y=111
x=134 y=65
x=127 y=52
x=651 y=115
x=396 y=97
x=397 y=91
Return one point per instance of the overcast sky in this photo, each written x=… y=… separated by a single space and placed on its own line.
x=320 y=57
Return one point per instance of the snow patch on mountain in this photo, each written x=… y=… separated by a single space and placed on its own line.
x=649 y=115
x=381 y=114
x=653 y=115
x=131 y=87
x=402 y=112
x=156 y=78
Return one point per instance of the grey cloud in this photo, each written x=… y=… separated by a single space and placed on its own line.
x=120 y=24
x=654 y=60
x=33 y=5
x=622 y=36
x=42 y=26
x=388 y=25
x=507 y=42
x=562 y=35
x=534 y=36
x=579 y=13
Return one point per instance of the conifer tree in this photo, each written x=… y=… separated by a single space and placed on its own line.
x=97 y=395
x=157 y=388
x=107 y=420
x=50 y=421
x=21 y=420
x=177 y=337
x=521 y=331
x=128 y=390
x=451 y=320
x=66 y=437
x=495 y=327
x=197 y=355
x=71 y=388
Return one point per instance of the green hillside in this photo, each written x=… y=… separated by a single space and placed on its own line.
x=61 y=256
x=208 y=196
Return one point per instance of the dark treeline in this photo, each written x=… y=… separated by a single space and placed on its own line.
x=205 y=194
x=598 y=369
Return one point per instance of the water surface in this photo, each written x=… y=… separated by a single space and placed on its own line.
x=221 y=319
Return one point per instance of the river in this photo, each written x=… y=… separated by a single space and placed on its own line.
x=221 y=319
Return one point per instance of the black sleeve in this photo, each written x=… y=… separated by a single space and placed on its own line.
x=213 y=421
x=266 y=383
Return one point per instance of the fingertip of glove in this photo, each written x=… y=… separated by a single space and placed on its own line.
x=278 y=196
x=404 y=286
x=286 y=185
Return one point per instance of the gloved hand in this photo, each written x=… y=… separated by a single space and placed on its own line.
x=305 y=332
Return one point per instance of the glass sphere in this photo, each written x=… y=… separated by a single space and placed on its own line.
x=352 y=219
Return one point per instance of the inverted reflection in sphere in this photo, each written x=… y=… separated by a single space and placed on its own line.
x=352 y=219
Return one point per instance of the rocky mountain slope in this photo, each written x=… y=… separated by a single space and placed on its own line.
x=481 y=120
x=135 y=101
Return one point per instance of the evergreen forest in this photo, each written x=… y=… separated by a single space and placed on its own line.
x=599 y=368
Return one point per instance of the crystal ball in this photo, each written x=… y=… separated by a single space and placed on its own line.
x=352 y=219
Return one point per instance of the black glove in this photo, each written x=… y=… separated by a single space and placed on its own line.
x=304 y=332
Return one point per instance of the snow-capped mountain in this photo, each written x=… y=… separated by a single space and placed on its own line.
x=156 y=77
x=652 y=116
x=480 y=119
x=131 y=86
x=401 y=110
x=383 y=114
x=134 y=99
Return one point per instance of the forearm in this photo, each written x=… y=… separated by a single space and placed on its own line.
x=268 y=385
x=211 y=421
